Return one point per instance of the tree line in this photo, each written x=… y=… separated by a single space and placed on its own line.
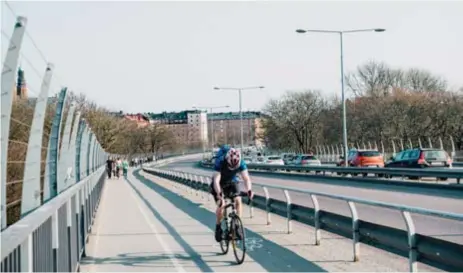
x=385 y=104
x=116 y=134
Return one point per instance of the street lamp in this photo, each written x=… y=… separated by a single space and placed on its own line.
x=241 y=112
x=212 y=121
x=341 y=32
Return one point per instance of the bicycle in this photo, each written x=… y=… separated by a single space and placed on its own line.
x=231 y=224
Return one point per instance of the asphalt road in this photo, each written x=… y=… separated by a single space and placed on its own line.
x=442 y=200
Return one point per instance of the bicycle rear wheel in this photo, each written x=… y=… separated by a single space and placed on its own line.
x=238 y=243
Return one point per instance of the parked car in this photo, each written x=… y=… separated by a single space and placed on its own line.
x=274 y=160
x=420 y=158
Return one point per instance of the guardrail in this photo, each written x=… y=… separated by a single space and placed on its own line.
x=53 y=237
x=454 y=164
x=417 y=247
x=442 y=174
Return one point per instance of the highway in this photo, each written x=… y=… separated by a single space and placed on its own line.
x=449 y=201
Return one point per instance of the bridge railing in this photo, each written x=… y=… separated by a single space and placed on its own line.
x=409 y=243
x=48 y=194
x=53 y=238
x=46 y=147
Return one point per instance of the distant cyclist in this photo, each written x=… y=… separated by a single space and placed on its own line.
x=228 y=164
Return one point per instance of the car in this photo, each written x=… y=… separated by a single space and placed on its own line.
x=363 y=158
x=259 y=160
x=418 y=158
x=288 y=157
x=306 y=160
x=274 y=160
x=247 y=159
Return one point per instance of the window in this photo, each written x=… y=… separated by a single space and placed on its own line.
x=435 y=155
x=369 y=153
x=414 y=154
x=309 y=157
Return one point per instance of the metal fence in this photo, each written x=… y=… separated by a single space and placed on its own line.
x=46 y=147
x=409 y=243
x=331 y=153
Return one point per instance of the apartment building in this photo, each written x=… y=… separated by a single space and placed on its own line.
x=196 y=128
x=189 y=127
x=227 y=128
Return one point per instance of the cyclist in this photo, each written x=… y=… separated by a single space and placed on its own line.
x=224 y=183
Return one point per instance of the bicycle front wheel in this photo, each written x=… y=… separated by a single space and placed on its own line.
x=224 y=243
x=238 y=239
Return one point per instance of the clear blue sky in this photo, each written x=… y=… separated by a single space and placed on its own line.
x=165 y=56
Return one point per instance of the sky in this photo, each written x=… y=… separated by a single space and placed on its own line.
x=168 y=56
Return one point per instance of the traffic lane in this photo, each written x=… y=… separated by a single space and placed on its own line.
x=432 y=226
x=189 y=166
x=334 y=174
x=449 y=201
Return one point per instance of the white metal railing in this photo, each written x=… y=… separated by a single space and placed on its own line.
x=406 y=211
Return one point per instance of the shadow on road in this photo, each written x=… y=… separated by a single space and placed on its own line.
x=269 y=257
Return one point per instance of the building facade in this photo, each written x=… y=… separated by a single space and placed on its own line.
x=197 y=128
x=189 y=127
x=226 y=128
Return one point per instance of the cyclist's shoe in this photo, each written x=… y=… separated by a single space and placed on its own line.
x=218 y=233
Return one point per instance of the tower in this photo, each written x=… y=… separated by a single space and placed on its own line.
x=21 y=87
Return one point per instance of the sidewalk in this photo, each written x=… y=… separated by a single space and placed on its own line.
x=147 y=226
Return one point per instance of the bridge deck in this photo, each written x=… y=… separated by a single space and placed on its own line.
x=144 y=224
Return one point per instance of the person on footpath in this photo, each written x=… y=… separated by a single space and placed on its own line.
x=125 y=167
x=109 y=167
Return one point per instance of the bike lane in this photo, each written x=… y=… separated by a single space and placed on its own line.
x=178 y=236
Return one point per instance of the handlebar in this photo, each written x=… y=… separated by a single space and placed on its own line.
x=241 y=194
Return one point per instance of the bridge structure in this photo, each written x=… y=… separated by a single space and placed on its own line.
x=160 y=217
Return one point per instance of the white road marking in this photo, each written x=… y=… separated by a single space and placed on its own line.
x=166 y=248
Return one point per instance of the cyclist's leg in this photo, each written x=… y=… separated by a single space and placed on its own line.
x=219 y=215
x=234 y=189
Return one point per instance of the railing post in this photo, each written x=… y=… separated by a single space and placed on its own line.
x=316 y=218
x=267 y=204
x=50 y=183
x=355 y=231
x=288 y=211
x=27 y=256
x=411 y=233
x=9 y=70
x=55 y=239
x=77 y=214
x=31 y=179
x=69 y=225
